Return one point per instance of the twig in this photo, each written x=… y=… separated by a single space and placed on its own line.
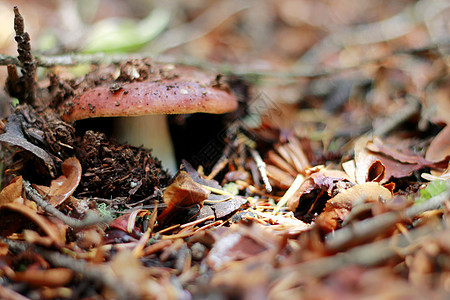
x=261 y=165
x=289 y=193
x=96 y=274
x=370 y=228
x=102 y=58
x=6 y=293
x=90 y=219
x=56 y=259
x=368 y=255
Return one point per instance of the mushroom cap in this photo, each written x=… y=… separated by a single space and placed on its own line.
x=145 y=88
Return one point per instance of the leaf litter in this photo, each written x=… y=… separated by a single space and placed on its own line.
x=343 y=195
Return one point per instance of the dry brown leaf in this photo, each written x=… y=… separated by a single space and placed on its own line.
x=62 y=187
x=404 y=155
x=324 y=180
x=438 y=100
x=14 y=136
x=373 y=158
x=440 y=146
x=12 y=191
x=183 y=192
x=338 y=207
x=241 y=242
x=127 y=222
x=10 y=222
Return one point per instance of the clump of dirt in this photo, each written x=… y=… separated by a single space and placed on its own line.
x=115 y=170
x=42 y=141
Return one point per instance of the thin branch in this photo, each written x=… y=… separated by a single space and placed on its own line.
x=90 y=219
x=97 y=274
x=370 y=254
x=261 y=165
x=56 y=259
x=370 y=228
x=102 y=58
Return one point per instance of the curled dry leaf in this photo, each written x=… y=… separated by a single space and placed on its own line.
x=63 y=187
x=325 y=180
x=338 y=207
x=379 y=162
x=12 y=222
x=182 y=193
x=127 y=222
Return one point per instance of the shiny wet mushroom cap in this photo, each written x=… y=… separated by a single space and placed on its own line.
x=148 y=92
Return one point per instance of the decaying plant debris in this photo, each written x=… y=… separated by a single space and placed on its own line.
x=317 y=201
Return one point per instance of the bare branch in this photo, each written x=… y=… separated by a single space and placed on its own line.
x=90 y=219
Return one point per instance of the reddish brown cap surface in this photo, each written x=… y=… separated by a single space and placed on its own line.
x=151 y=89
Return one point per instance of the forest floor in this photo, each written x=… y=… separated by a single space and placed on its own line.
x=330 y=180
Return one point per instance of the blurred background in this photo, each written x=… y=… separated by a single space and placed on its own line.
x=303 y=36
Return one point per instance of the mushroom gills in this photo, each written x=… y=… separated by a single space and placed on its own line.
x=151 y=132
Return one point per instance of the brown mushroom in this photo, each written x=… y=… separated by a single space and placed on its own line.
x=142 y=95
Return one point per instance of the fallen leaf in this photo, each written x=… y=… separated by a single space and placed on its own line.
x=404 y=155
x=322 y=181
x=14 y=136
x=12 y=191
x=127 y=222
x=182 y=193
x=225 y=208
x=241 y=242
x=338 y=207
x=439 y=148
x=10 y=222
x=379 y=162
x=63 y=187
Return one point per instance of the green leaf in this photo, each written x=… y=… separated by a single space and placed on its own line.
x=434 y=188
x=125 y=34
x=231 y=188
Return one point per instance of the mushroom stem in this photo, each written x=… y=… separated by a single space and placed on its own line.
x=151 y=132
